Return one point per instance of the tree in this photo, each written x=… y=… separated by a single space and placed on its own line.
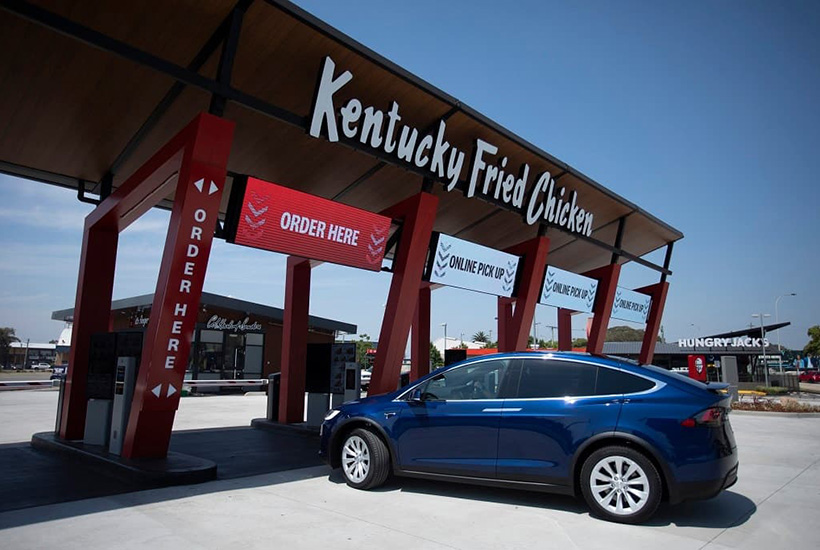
x=362 y=345
x=7 y=336
x=435 y=357
x=579 y=343
x=813 y=347
x=480 y=337
x=624 y=334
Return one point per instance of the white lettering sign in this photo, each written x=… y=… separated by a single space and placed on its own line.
x=471 y=266
x=220 y=323
x=630 y=305
x=489 y=176
x=568 y=290
x=737 y=342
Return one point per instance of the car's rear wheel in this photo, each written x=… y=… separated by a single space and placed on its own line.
x=365 y=459
x=620 y=484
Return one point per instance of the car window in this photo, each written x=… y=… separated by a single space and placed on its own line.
x=472 y=381
x=616 y=382
x=547 y=378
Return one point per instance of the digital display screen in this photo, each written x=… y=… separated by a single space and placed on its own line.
x=284 y=220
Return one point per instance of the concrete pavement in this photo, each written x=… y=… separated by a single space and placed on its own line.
x=772 y=506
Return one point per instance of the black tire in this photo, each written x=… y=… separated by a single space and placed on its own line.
x=614 y=496
x=365 y=459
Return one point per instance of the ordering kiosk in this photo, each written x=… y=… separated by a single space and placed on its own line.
x=332 y=378
x=112 y=375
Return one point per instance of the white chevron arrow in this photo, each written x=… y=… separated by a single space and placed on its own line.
x=198 y=184
x=156 y=390
x=171 y=391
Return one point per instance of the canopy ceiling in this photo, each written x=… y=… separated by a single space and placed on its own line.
x=92 y=88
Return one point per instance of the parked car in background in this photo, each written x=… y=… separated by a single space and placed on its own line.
x=620 y=435
x=40 y=366
x=365 y=378
x=810 y=377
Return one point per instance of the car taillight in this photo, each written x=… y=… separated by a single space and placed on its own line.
x=713 y=416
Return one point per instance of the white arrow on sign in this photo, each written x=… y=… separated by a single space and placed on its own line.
x=158 y=390
x=199 y=184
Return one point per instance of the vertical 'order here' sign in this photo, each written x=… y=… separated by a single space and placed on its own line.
x=284 y=220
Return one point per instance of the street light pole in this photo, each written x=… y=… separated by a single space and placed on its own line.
x=777 y=320
x=444 y=347
x=763 y=345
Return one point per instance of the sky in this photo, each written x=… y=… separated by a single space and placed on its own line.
x=705 y=114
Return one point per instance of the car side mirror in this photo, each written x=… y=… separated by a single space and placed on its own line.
x=416 y=395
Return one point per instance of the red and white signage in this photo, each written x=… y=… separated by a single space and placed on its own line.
x=176 y=301
x=697 y=367
x=284 y=220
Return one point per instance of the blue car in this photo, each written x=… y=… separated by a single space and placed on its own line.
x=621 y=435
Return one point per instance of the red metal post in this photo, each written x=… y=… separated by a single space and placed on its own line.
x=167 y=341
x=564 y=329
x=294 y=341
x=199 y=150
x=92 y=311
x=419 y=214
x=604 y=299
x=517 y=331
x=420 y=341
x=505 y=314
x=658 y=293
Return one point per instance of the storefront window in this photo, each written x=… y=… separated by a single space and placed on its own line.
x=226 y=355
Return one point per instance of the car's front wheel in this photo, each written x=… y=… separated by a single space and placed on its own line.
x=620 y=484
x=365 y=459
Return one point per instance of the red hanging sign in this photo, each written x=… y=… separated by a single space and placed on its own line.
x=284 y=220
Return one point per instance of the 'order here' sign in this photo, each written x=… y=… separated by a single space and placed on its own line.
x=284 y=220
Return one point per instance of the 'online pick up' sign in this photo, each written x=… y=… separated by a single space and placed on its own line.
x=471 y=266
x=630 y=305
x=568 y=290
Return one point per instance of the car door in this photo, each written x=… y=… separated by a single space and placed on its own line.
x=453 y=427
x=554 y=410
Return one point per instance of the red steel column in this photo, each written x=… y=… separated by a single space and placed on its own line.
x=658 y=293
x=294 y=341
x=167 y=340
x=607 y=284
x=505 y=314
x=564 y=329
x=529 y=290
x=92 y=313
x=420 y=340
x=419 y=214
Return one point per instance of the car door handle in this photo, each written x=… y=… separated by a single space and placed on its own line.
x=498 y=410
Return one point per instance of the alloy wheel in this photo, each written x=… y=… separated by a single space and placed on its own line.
x=356 y=459
x=619 y=485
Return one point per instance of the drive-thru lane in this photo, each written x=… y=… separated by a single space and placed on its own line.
x=772 y=506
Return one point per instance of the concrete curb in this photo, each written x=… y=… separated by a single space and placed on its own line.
x=175 y=469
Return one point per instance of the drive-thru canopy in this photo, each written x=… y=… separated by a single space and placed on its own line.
x=93 y=90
